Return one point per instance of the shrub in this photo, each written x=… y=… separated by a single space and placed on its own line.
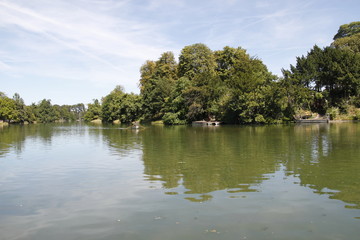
x=357 y=114
x=260 y=119
x=333 y=112
x=172 y=119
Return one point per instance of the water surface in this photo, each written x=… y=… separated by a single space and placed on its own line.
x=229 y=182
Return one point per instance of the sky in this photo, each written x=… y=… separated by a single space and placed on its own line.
x=75 y=51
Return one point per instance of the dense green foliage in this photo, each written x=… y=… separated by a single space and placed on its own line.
x=348 y=30
x=348 y=37
x=227 y=85
x=231 y=86
x=120 y=106
x=156 y=83
x=328 y=80
x=14 y=110
x=93 y=112
x=331 y=76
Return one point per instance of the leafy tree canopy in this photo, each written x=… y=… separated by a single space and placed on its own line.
x=348 y=37
x=119 y=105
x=347 y=30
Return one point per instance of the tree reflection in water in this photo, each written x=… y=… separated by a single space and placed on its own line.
x=197 y=161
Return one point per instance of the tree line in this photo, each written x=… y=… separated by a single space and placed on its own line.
x=14 y=110
x=231 y=86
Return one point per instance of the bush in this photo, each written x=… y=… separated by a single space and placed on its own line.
x=351 y=113
x=172 y=119
x=260 y=119
x=333 y=112
x=357 y=114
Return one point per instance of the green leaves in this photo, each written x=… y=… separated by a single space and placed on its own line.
x=7 y=109
x=331 y=71
x=195 y=61
x=227 y=84
x=156 y=85
x=93 y=112
x=350 y=43
x=247 y=85
x=14 y=110
x=348 y=37
x=45 y=112
x=348 y=30
x=118 y=106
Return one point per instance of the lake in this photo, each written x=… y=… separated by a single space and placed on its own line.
x=78 y=181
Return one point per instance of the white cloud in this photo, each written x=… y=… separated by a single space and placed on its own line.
x=101 y=39
x=262 y=4
x=86 y=30
x=4 y=66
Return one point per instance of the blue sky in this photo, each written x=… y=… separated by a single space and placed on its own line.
x=73 y=51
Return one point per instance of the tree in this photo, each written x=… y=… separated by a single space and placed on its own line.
x=147 y=71
x=23 y=113
x=177 y=109
x=348 y=30
x=247 y=87
x=45 y=112
x=197 y=64
x=20 y=111
x=227 y=85
x=7 y=108
x=196 y=60
x=166 y=66
x=331 y=75
x=294 y=94
x=120 y=106
x=348 y=37
x=351 y=43
x=156 y=84
x=77 y=110
x=130 y=108
x=93 y=112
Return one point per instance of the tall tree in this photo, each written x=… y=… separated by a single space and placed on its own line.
x=7 y=108
x=347 y=30
x=23 y=112
x=248 y=84
x=348 y=37
x=93 y=112
x=119 y=105
x=331 y=74
x=351 y=43
x=196 y=60
x=197 y=63
x=77 y=110
x=45 y=112
x=156 y=84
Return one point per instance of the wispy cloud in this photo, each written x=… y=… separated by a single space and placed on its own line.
x=83 y=30
x=4 y=66
x=95 y=33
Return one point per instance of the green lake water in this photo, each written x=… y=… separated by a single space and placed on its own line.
x=162 y=183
